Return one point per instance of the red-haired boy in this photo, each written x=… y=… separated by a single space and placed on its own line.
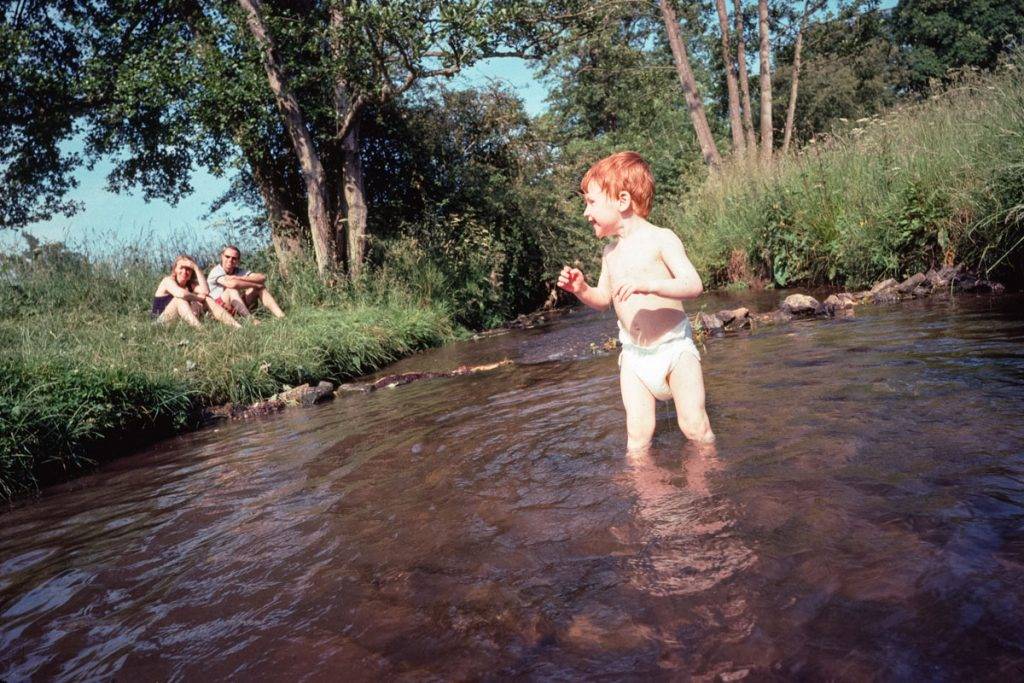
x=646 y=275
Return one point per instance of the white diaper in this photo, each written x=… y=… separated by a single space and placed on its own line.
x=652 y=364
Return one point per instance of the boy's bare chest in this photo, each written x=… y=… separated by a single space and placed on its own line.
x=633 y=261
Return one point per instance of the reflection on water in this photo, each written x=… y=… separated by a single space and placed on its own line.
x=862 y=517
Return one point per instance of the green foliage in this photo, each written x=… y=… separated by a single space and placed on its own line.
x=891 y=196
x=939 y=36
x=449 y=180
x=851 y=69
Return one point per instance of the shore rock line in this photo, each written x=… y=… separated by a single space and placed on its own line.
x=308 y=395
x=303 y=395
x=940 y=282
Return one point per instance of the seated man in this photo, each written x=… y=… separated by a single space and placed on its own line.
x=236 y=289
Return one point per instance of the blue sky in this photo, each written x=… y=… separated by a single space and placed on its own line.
x=109 y=220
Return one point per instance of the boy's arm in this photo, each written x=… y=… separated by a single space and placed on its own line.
x=599 y=297
x=684 y=283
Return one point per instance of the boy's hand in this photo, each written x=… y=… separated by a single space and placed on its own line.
x=630 y=287
x=572 y=280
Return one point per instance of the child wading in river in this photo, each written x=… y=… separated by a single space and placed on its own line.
x=646 y=275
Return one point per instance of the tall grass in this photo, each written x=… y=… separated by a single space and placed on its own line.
x=81 y=362
x=925 y=183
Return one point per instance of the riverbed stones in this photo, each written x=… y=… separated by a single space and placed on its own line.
x=921 y=292
x=324 y=392
x=911 y=283
x=885 y=296
x=942 y=277
x=838 y=303
x=801 y=305
x=306 y=395
x=710 y=324
x=965 y=282
x=771 y=318
x=882 y=286
x=734 y=318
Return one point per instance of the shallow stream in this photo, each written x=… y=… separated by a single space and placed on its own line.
x=863 y=518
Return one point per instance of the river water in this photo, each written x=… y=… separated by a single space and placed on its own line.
x=863 y=518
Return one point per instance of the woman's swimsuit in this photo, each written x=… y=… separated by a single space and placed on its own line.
x=159 y=304
x=652 y=364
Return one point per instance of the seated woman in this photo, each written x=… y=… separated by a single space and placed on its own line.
x=184 y=294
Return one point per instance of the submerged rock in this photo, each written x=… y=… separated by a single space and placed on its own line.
x=772 y=317
x=801 y=305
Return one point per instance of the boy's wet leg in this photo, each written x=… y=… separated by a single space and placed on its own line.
x=687 y=383
x=639 y=404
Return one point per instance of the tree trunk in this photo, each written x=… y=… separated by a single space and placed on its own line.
x=285 y=229
x=346 y=113
x=795 y=83
x=738 y=144
x=741 y=63
x=355 y=201
x=766 y=83
x=309 y=161
x=700 y=121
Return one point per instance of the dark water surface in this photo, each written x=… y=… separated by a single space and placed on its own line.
x=863 y=519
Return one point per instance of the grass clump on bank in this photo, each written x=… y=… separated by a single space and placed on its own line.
x=83 y=364
x=928 y=183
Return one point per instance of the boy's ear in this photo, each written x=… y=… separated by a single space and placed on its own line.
x=624 y=201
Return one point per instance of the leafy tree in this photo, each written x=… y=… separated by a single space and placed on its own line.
x=850 y=69
x=40 y=60
x=274 y=92
x=939 y=35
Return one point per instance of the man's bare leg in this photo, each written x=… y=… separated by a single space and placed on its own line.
x=639 y=404
x=268 y=300
x=232 y=298
x=220 y=314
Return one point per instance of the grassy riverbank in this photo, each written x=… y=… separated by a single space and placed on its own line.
x=83 y=371
x=883 y=197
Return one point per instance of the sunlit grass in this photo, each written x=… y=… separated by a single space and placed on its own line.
x=941 y=179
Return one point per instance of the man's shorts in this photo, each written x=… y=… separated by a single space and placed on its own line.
x=226 y=306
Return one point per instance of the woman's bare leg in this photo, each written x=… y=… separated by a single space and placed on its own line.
x=186 y=313
x=178 y=308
